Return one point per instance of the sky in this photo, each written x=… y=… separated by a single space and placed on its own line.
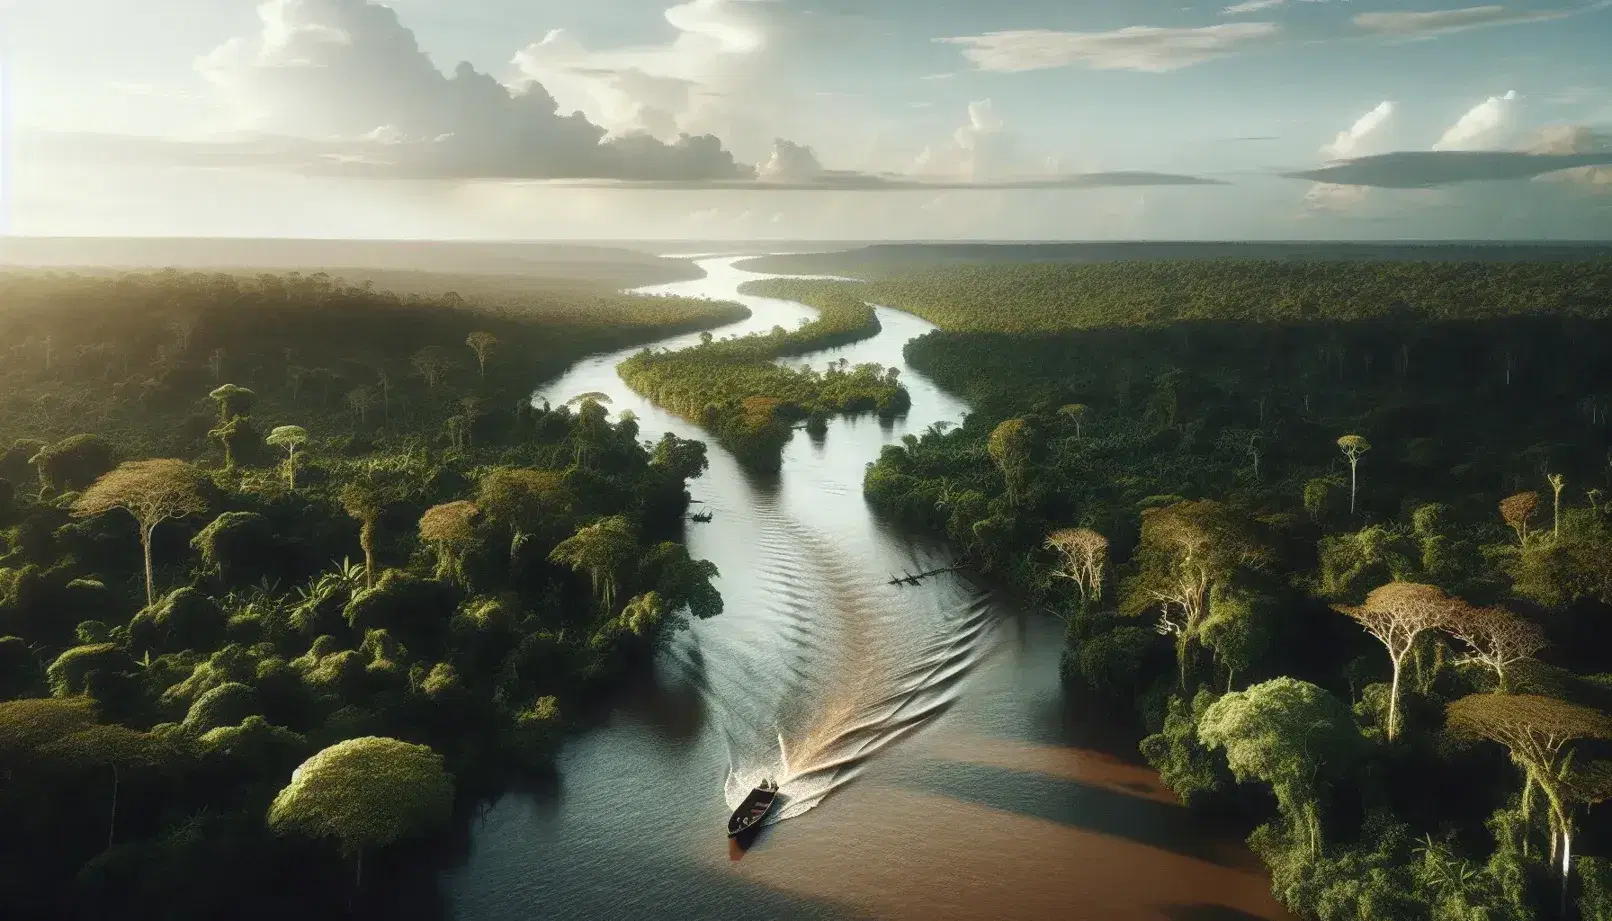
x=807 y=119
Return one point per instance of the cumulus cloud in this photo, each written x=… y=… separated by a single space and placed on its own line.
x=980 y=149
x=1482 y=127
x=1575 y=139
x=728 y=67
x=789 y=162
x=1143 y=48
x=982 y=120
x=983 y=150
x=1352 y=142
x=1427 y=24
x=622 y=98
x=1568 y=139
x=1349 y=143
x=347 y=72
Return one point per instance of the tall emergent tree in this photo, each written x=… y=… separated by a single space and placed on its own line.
x=1585 y=783
x=1187 y=549
x=483 y=344
x=604 y=549
x=522 y=502
x=1353 y=446
x=1517 y=510
x=449 y=526
x=232 y=401
x=1495 y=638
x=432 y=364
x=365 y=793
x=383 y=382
x=1538 y=732
x=1396 y=614
x=289 y=437
x=685 y=457
x=1084 y=553
x=1009 y=446
x=229 y=434
x=364 y=502
x=152 y=491
x=1289 y=734
x=361 y=400
x=1076 y=413
x=1557 y=483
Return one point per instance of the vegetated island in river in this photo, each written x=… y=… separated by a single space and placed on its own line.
x=736 y=390
x=248 y=524
x=1336 y=530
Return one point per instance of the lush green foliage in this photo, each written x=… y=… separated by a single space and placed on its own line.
x=736 y=391
x=365 y=793
x=177 y=634
x=843 y=317
x=1184 y=763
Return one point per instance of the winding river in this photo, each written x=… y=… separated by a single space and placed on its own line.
x=931 y=766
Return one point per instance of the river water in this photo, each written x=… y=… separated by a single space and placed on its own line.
x=930 y=764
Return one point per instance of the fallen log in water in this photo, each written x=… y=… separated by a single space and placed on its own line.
x=907 y=578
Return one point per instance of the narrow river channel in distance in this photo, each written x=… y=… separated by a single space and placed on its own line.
x=931 y=765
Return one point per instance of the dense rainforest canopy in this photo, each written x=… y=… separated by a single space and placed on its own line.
x=1339 y=533
x=292 y=572
x=1055 y=297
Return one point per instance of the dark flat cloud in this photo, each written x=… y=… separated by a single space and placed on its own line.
x=845 y=181
x=792 y=167
x=635 y=157
x=1425 y=169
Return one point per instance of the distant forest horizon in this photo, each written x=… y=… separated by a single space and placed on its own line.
x=550 y=257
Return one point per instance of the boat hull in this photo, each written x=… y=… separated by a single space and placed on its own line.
x=748 y=816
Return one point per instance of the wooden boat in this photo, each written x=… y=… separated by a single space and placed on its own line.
x=700 y=516
x=755 y=807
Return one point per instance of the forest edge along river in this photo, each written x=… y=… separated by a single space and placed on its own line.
x=929 y=764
